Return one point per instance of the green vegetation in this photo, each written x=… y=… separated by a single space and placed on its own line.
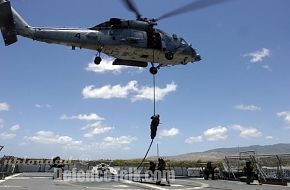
x=169 y=163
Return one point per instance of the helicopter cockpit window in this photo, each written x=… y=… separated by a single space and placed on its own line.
x=183 y=42
x=102 y=25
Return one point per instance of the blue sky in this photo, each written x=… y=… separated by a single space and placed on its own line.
x=54 y=102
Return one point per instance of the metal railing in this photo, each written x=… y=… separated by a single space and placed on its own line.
x=267 y=166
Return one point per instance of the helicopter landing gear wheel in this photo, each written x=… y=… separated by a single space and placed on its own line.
x=169 y=55
x=97 y=60
x=153 y=70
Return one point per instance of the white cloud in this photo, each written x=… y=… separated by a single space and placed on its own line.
x=105 y=66
x=259 y=56
x=48 y=106
x=112 y=143
x=49 y=137
x=6 y=136
x=286 y=116
x=192 y=140
x=15 y=128
x=216 y=133
x=236 y=127
x=267 y=67
x=66 y=142
x=95 y=126
x=269 y=137
x=250 y=132
x=1 y=122
x=160 y=93
x=96 y=129
x=83 y=117
x=169 y=132
x=108 y=91
x=119 y=140
x=4 y=106
x=220 y=133
x=248 y=107
x=246 y=132
x=131 y=89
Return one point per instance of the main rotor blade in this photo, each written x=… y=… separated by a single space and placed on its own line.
x=132 y=7
x=200 y=4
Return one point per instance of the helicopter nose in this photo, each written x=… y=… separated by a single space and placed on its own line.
x=189 y=51
x=194 y=55
x=197 y=58
x=193 y=52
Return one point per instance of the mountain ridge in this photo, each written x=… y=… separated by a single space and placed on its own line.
x=220 y=153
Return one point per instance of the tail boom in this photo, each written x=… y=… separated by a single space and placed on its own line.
x=12 y=24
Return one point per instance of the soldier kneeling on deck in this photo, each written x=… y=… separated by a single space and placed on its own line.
x=249 y=172
x=161 y=171
x=208 y=170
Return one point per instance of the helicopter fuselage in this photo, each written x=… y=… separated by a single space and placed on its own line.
x=139 y=43
x=131 y=42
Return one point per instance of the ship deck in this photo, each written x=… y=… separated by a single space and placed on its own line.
x=44 y=181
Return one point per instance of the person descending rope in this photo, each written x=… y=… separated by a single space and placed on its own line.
x=155 y=120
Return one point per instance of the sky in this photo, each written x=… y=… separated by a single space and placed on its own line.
x=54 y=101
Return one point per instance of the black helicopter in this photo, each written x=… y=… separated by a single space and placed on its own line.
x=132 y=42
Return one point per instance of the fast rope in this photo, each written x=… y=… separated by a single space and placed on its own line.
x=154 y=112
x=154 y=95
x=141 y=163
x=145 y=154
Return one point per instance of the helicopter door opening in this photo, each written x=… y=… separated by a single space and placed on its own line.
x=154 y=40
x=136 y=38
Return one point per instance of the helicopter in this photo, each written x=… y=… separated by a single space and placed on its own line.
x=131 y=42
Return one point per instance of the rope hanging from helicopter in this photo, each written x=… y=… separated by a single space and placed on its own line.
x=152 y=123
x=152 y=137
x=141 y=163
x=154 y=114
x=154 y=95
